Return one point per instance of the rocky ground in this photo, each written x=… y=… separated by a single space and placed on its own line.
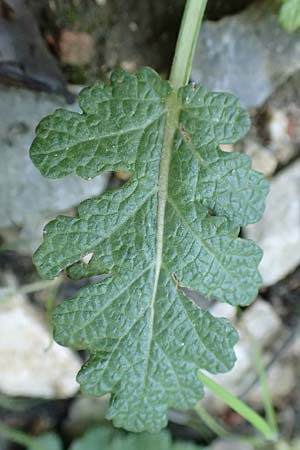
x=241 y=49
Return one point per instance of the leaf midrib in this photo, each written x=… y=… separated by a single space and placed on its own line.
x=172 y=119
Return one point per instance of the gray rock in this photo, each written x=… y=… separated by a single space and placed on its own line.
x=263 y=160
x=29 y=365
x=261 y=323
x=283 y=131
x=27 y=199
x=278 y=233
x=248 y=54
x=24 y=57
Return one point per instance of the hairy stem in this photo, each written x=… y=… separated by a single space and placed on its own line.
x=186 y=42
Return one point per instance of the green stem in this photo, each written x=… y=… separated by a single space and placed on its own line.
x=269 y=409
x=38 y=286
x=30 y=288
x=186 y=42
x=240 y=407
x=210 y=422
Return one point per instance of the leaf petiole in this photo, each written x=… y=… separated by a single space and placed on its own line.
x=186 y=42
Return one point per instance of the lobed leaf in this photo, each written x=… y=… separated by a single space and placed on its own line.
x=174 y=224
x=105 y=439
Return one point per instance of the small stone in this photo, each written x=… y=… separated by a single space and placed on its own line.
x=263 y=160
x=284 y=105
x=227 y=147
x=278 y=126
x=76 y=47
x=122 y=175
x=278 y=233
x=220 y=309
x=283 y=151
x=231 y=445
x=280 y=134
x=133 y=26
x=294 y=350
x=261 y=323
x=31 y=365
x=129 y=66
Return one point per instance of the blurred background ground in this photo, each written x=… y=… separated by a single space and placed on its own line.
x=49 y=49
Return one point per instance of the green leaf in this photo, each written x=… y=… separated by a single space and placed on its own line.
x=47 y=441
x=175 y=223
x=94 y=439
x=105 y=439
x=289 y=15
